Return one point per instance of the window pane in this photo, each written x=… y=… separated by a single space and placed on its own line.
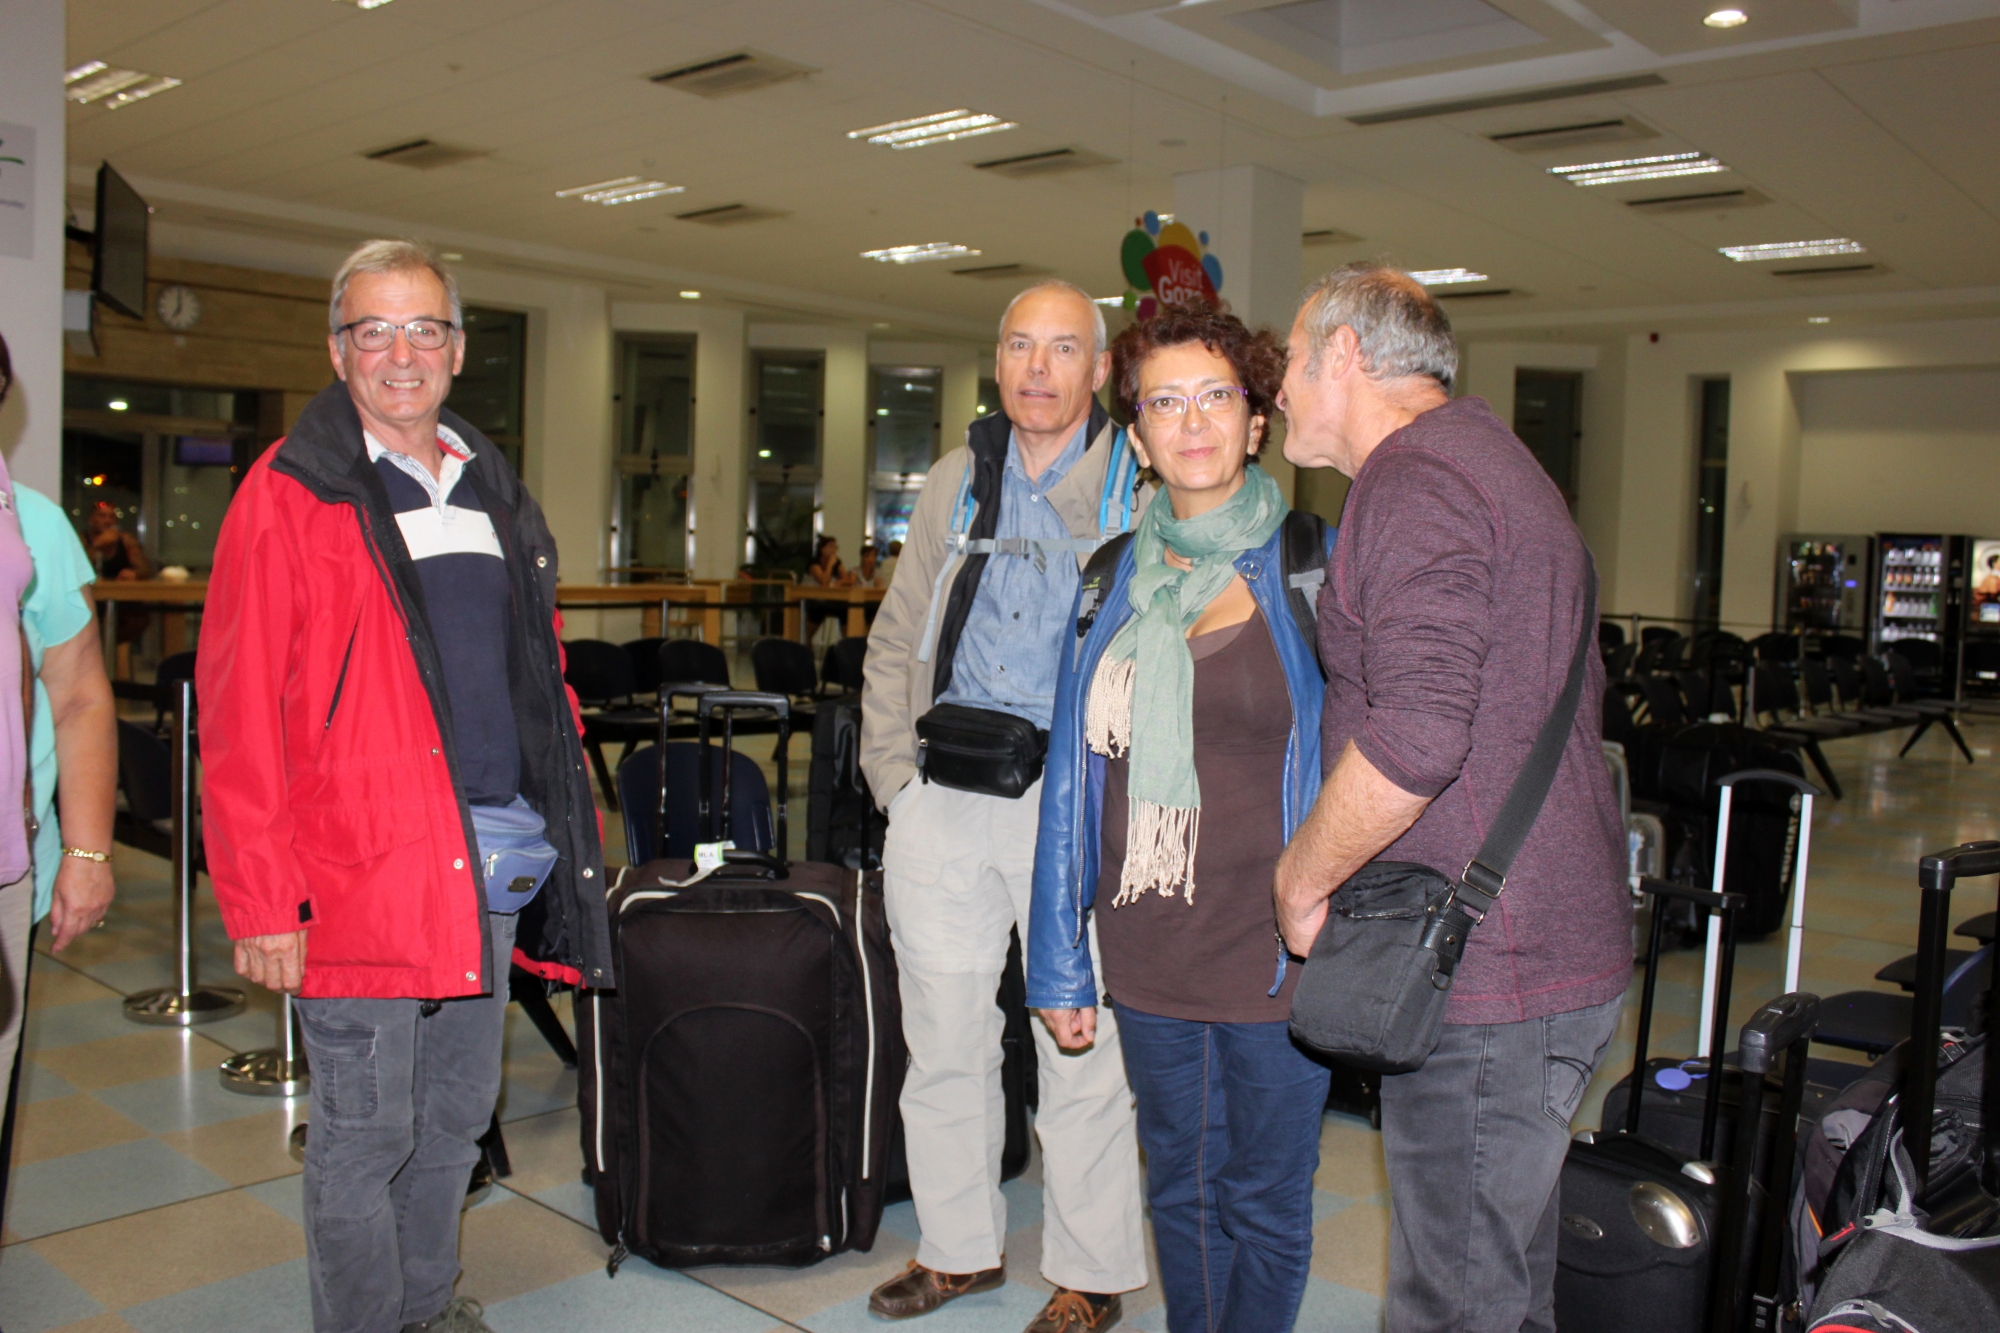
x=893 y=506
x=783 y=524
x=160 y=400
x=906 y=418
x=197 y=476
x=103 y=467
x=488 y=392
x=788 y=411
x=654 y=510
x=656 y=400
x=1711 y=489
x=989 y=396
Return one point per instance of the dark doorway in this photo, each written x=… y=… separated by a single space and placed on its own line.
x=1548 y=416
x=1711 y=490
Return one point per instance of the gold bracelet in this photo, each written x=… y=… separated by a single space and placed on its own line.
x=87 y=856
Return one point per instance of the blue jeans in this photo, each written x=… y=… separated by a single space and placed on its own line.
x=1229 y=1116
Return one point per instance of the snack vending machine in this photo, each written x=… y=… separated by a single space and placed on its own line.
x=1823 y=583
x=1979 y=660
x=1917 y=592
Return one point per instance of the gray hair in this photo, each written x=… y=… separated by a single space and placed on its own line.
x=392 y=257
x=1058 y=285
x=1400 y=326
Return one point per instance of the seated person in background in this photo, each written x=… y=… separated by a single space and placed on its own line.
x=825 y=571
x=116 y=552
x=889 y=562
x=870 y=574
x=1184 y=751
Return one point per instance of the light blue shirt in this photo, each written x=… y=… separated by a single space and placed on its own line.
x=53 y=611
x=1011 y=648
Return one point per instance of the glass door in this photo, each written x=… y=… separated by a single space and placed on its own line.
x=650 y=536
x=904 y=428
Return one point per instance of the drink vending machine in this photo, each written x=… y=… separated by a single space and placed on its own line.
x=1823 y=583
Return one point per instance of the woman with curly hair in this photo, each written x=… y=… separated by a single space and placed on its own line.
x=1184 y=751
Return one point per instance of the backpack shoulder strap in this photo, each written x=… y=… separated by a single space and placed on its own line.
x=1303 y=549
x=1097 y=577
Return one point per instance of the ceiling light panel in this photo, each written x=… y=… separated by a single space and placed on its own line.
x=918 y=254
x=94 y=80
x=1444 y=277
x=940 y=128
x=623 y=190
x=365 y=4
x=1835 y=245
x=1659 y=167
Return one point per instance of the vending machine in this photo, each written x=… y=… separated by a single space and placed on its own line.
x=1918 y=593
x=1979 y=655
x=1823 y=583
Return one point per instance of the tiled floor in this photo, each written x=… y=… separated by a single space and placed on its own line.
x=145 y=1197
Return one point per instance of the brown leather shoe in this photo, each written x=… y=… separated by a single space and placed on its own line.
x=919 y=1290
x=1073 y=1312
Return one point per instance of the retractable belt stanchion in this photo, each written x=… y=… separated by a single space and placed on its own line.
x=188 y=1001
x=276 y=1071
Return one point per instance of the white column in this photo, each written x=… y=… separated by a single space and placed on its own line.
x=31 y=239
x=1254 y=218
x=844 y=443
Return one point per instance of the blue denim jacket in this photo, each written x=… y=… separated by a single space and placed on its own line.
x=1067 y=846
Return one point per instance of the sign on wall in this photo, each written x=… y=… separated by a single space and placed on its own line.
x=1167 y=262
x=17 y=190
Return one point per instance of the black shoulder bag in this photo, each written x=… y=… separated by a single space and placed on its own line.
x=1373 y=991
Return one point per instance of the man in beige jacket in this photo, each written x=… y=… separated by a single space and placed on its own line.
x=975 y=617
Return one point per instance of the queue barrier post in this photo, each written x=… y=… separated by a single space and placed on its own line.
x=275 y=1071
x=187 y=1002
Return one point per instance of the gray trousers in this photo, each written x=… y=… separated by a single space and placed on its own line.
x=399 y=1101
x=1474 y=1142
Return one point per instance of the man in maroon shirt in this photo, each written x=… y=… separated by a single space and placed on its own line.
x=1451 y=609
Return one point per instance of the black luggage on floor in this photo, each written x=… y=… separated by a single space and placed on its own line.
x=842 y=824
x=1765 y=825
x=738 y=1091
x=1913 y=1218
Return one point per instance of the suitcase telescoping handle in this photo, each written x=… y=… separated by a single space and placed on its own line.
x=1711 y=963
x=1722 y=907
x=729 y=703
x=1784 y=1026
x=1937 y=874
x=670 y=691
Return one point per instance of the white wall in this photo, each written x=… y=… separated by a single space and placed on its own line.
x=31 y=70
x=1899 y=451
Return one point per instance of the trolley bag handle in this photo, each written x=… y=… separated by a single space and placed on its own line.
x=728 y=703
x=1785 y=1025
x=670 y=691
x=1937 y=874
x=1724 y=906
x=1796 y=934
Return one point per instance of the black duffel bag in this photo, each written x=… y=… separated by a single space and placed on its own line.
x=1374 y=988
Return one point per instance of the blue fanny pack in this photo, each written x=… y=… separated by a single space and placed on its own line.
x=514 y=853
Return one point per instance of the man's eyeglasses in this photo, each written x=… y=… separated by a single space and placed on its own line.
x=1222 y=401
x=377 y=335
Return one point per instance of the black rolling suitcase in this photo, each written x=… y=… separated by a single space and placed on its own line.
x=842 y=824
x=738 y=1091
x=1913 y=1224
x=1693 y=765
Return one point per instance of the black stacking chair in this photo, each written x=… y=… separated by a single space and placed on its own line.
x=1658 y=652
x=842 y=667
x=1891 y=678
x=1618 y=664
x=1775 y=696
x=601 y=675
x=785 y=666
x=1873 y=1021
x=174 y=669
x=1703 y=696
x=1977 y=928
x=690 y=660
x=145 y=777
x=1853 y=687
x=1610 y=636
x=1663 y=702
x=644 y=655
x=1776 y=647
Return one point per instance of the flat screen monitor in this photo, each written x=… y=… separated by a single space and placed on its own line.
x=118 y=275
x=204 y=451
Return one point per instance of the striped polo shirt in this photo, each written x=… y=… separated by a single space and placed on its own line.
x=468 y=602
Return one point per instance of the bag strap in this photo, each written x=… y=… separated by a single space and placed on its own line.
x=1097 y=576
x=1486 y=873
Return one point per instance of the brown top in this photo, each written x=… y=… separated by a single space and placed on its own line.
x=1211 y=960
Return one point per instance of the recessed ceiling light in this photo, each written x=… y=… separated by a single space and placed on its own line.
x=1107 y=300
x=1727 y=18
x=940 y=128
x=690 y=296
x=118 y=404
x=1819 y=319
x=452 y=256
x=881 y=326
x=94 y=79
x=623 y=190
x=918 y=254
x=1639 y=169
x=1834 y=245
x=763 y=453
x=1444 y=277
x=365 y=4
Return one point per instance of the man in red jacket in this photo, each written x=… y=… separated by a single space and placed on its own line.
x=392 y=764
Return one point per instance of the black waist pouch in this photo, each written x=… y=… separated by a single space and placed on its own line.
x=980 y=749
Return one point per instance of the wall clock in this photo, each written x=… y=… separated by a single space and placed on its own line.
x=178 y=308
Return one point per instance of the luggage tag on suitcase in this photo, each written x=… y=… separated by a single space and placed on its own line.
x=709 y=855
